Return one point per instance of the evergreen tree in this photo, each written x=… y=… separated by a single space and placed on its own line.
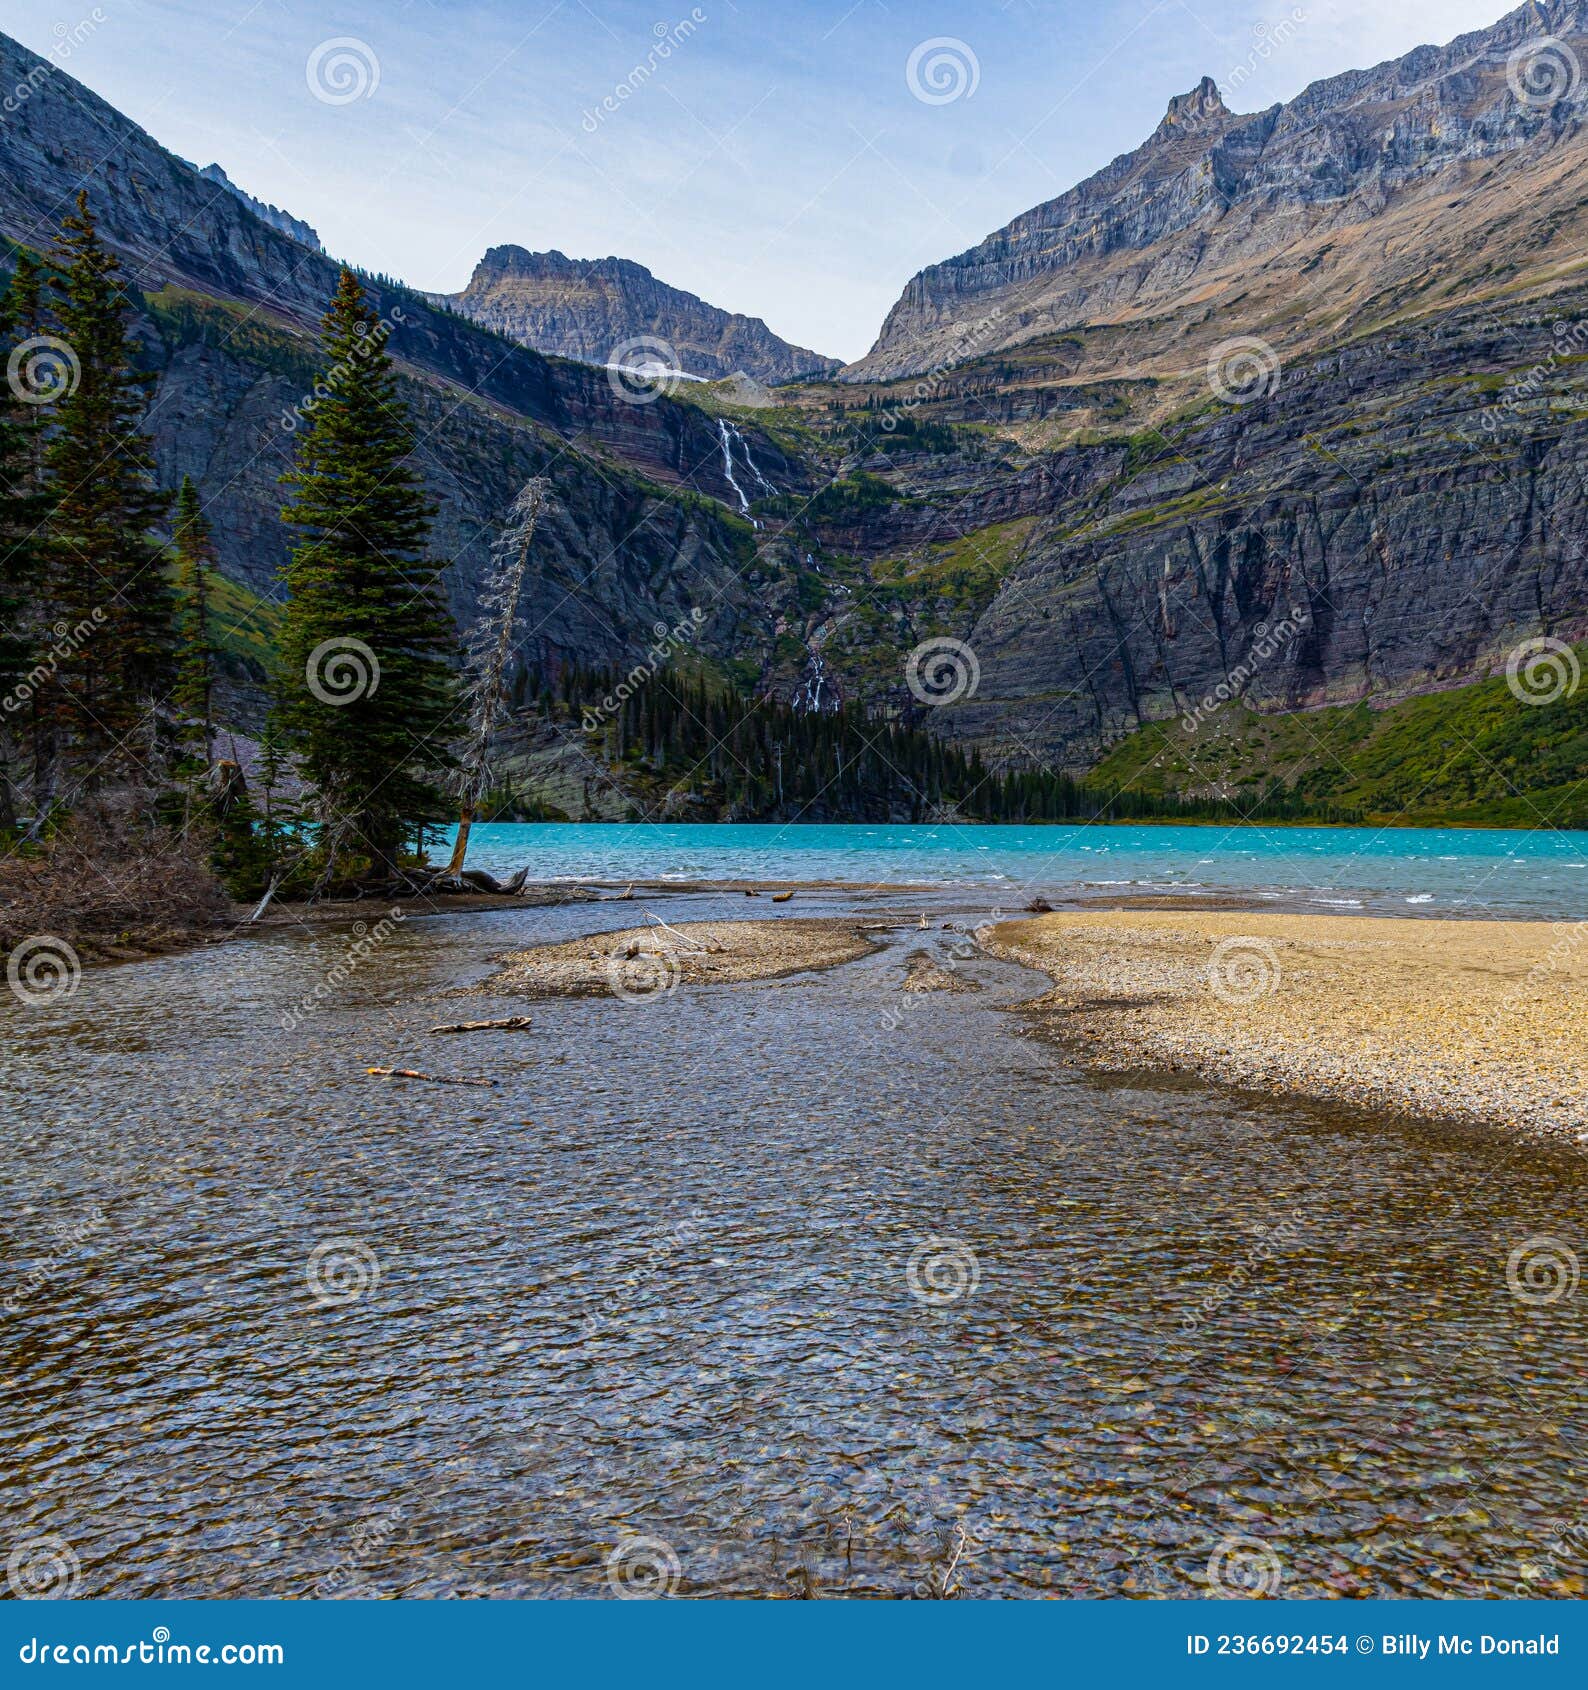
x=109 y=589
x=365 y=694
x=194 y=695
x=23 y=511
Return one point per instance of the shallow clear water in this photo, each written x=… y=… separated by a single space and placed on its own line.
x=1390 y=870
x=683 y=1277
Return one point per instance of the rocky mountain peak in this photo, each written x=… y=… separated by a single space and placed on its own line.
x=294 y=228
x=594 y=308
x=1203 y=104
x=1212 y=196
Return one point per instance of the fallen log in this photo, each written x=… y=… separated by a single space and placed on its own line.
x=434 y=1079
x=483 y=882
x=505 y=1024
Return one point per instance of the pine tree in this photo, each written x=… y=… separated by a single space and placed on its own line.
x=109 y=589
x=24 y=508
x=365 y=695
x=194 y=694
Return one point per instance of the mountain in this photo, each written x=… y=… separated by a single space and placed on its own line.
x=1290 y=410
x=283 y=221
x=1200 y=482
x=591 y=308
x=1377 y=191
x=228 y=309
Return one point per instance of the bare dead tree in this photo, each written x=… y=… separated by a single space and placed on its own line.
x=488 y=647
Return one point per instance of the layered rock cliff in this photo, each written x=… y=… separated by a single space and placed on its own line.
x=281 y=221
x=1294 y=217
x=596 y=309
x=1377 y=493
x=228 y=309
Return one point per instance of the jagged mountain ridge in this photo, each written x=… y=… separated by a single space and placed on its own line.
x=591 y=308
x=227 y=309
x=174 y=229
x=282 y=221
x=1411 y=484
x=1217 y=207
x=1393 y=509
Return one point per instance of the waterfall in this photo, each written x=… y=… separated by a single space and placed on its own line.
x=727 y=463
x=728 y=434
x=817 y=691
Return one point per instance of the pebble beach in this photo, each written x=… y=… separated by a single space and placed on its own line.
x=1478 y=1020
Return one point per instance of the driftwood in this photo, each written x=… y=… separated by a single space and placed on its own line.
x=470 y=880
x=434 y=1079
x=507 y=1024
x=781 y=897
x=624 y=896
x=684 y=939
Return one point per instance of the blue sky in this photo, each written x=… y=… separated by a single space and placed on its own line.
x=776 y=161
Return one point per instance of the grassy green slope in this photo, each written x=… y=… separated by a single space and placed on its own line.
x=1473 y=755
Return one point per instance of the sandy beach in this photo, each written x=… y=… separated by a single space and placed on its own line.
x=1482 y=1020
x=639 y=962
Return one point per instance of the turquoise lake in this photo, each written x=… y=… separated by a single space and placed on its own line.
x=1402 y=871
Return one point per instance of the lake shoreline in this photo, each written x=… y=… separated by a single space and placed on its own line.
x=1484 y=1021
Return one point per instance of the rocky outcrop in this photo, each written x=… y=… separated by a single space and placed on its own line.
x=176 y=233
x=228 y=320
x=1395 y=517
x=1272 y=213
x=282 y=221
x=595 y=309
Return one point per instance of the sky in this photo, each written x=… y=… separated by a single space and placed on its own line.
x=796 y=161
